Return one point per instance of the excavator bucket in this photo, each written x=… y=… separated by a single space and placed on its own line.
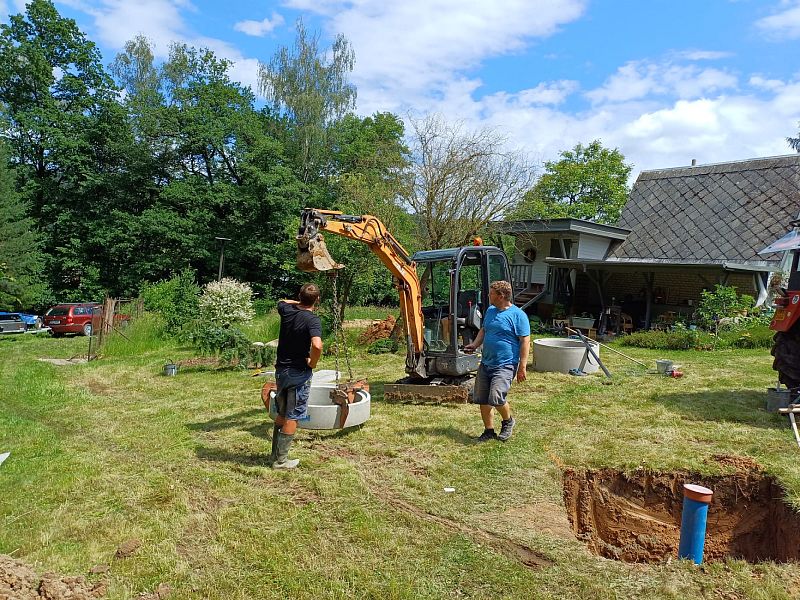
x=313 y=255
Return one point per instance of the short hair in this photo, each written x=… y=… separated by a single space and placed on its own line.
x=503 y=288
x=309 y=294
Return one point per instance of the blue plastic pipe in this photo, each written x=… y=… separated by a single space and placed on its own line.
x=696 y=499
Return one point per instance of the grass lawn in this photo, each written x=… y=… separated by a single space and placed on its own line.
x=110 y=451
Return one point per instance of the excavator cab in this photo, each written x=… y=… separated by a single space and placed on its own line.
x=455 y=292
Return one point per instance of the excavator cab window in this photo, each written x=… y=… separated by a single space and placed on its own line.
x=435 y=283
x=469 y=309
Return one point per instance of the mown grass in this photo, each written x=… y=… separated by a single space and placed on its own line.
x=112 y=450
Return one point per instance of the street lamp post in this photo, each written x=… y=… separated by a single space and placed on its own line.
x=221 y=255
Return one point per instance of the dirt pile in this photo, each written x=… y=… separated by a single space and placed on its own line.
x=19 y=582
x=636 y=517
x=378 y=330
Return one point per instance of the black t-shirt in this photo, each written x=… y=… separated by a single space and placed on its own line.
x=298 y=326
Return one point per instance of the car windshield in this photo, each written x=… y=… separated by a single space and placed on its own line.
x=10 y=317
x=58 y=311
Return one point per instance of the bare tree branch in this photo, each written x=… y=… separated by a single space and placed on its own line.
x=462 y=180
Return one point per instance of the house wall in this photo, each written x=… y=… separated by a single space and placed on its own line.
x=592 y=246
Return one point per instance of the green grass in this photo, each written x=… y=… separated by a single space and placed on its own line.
x=112 y=450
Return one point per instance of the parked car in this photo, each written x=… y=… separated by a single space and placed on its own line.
x=71 y=318
x=12 y=323
x=32 y=321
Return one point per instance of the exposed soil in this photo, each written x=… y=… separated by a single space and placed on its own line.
x=201 y=361
x=128 y=548
x=537 y=517
x=63 y=362
x=636 y=517
x=19 y=581
x=513 y=550
x=377 y=330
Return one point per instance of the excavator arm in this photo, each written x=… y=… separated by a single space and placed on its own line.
x=313 y=256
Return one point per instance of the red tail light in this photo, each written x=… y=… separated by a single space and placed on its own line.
x=69 y=319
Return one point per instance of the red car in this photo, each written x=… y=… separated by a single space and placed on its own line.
x=72 y=318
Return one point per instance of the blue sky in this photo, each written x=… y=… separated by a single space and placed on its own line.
x=664 y=81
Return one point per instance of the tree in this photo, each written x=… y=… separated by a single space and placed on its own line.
x=65 y=131
x=21 y=261
x=310 y=88
x=462 y=180
x=588 y=182
x=370 y=160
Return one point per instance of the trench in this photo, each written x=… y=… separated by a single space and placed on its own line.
x=636 y=517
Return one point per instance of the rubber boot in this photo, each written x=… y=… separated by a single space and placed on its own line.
x=274 y=454
x=282 y=455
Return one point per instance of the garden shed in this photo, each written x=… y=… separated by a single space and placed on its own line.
x=682 y=230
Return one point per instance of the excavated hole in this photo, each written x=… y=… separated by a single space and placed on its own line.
x=636 y=518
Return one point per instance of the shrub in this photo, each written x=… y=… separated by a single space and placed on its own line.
x=384 y=346
x=226 y=302
x=722 y=303
x=175 y=299
x=264 y=306
x=678 y=339
x=757 y=336
x=231 y=346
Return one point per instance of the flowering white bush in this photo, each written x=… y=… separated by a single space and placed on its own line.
x=226 y=301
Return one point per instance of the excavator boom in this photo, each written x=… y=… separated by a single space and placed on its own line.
x=313 y=256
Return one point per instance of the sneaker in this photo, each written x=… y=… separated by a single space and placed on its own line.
x=488 y=434
x=287 y=464
x=506 y=429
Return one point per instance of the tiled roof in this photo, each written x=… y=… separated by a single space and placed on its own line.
x=711 y=213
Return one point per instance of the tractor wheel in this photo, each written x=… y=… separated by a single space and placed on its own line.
x=786 y=350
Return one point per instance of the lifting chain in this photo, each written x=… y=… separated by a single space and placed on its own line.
x=338 y=331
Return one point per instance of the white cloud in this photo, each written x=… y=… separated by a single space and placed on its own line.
x=641 y=79
x=16 y=7
x=416 y=49
x=784 y=24
x=259 y=28
x=118 y=21
x=703 y=55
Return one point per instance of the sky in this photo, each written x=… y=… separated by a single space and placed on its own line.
x=664 y=81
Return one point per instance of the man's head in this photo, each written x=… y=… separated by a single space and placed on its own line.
x=500 y=291
x=309 y=294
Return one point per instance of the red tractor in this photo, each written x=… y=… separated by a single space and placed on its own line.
x=786 y=322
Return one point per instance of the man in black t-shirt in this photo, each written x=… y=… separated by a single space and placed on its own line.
x=299 y=350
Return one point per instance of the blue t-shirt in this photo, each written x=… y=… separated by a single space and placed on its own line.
x=501 y=332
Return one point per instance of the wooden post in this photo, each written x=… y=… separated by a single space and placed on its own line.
x=649 y=279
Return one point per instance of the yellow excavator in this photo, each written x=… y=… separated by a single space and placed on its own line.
x=443 y=295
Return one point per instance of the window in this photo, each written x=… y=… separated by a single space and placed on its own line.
x=498 y=268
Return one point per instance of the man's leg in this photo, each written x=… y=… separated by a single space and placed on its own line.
x=503 y=383
x=481 y=396
x=296 y=408
x=486 y=415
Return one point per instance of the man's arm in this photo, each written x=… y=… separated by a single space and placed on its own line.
x=524 y=348
x=316 y=351
x=474 y=344
x=287 y=301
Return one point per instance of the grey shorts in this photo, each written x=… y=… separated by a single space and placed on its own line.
x=294 y=386
x=492 y=384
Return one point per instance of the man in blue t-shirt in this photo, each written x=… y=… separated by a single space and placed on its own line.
x=505 y=336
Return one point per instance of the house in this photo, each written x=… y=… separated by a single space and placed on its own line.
x=682 y=230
